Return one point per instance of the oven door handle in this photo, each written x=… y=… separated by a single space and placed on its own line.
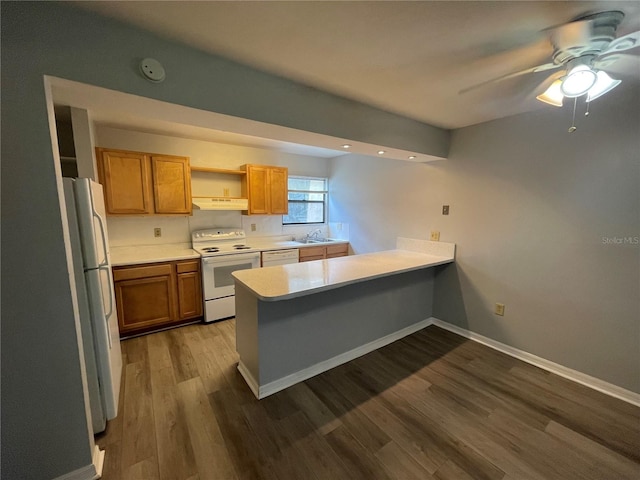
x=234 y=257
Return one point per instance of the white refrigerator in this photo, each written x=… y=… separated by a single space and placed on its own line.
x=86 y=216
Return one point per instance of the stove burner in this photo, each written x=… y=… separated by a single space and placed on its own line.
x=211 y=250
x=241 y=247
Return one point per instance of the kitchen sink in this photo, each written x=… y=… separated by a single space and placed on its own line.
x=314 y=240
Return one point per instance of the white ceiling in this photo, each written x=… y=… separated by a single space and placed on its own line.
x=411 y=58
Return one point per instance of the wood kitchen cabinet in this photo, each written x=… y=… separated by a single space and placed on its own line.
x=189 y=289
x=159 y=295
x=266 y=188
x=321 y=252
x=171 y=184
x=138 y=183
x=125 y=177
x=339 y=250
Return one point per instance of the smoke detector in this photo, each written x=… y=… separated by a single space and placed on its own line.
x=152 y=70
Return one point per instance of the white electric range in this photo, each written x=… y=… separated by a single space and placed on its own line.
x=223 y=251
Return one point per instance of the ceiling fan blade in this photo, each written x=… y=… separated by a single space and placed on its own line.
x=619 y=64
x=571 y=35
x=627 y=42
x=539 y=68
x=603 y=63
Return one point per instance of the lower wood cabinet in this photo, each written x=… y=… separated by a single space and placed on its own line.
x=321 y=252
x=189 y=290
x=339 y=250
x=157 y=295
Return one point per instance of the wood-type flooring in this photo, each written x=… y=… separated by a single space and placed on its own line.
x=430 y=406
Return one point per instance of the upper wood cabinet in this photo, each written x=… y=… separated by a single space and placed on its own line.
x=266 y=188
x=279 y=190
x=138 y=183
x=171 y=184
x=125 y=178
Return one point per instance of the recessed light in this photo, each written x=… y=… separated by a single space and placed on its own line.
x=380 y=152
x=346 y=146
x=412 y=157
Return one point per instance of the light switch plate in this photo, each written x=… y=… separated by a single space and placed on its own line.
x=499 y=310
x=445 y=209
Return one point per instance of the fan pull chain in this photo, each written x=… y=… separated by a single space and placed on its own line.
x=586 y=114
x=573 y=127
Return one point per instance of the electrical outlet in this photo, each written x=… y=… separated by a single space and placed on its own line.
x=225 y=192
x=499 y=310
x=253 y=227
x=157 y=232
x=435 y=236
x=339 y=227
x=445 y=209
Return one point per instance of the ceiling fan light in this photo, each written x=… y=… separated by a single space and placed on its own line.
x=552 y=95
x=580 y=79
x=604 y=84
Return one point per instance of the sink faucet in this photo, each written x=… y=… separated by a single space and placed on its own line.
x=314 y=234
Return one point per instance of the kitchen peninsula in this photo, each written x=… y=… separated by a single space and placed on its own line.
x=296 y=321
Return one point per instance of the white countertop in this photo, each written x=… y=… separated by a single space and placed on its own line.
x=299 y=279
x=132 y=255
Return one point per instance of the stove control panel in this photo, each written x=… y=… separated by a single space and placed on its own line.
x=217 y=235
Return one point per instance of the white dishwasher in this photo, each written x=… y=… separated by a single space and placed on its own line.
x=279 y=257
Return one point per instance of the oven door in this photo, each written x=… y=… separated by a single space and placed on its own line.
x=216 y=272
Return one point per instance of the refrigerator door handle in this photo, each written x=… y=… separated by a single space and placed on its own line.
x=103 y=237
x=108 y=314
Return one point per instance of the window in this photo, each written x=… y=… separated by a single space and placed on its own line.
x=307 y=201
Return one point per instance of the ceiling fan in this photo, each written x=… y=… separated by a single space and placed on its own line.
x=584 y=48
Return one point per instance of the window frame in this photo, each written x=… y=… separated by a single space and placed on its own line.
x=324 y=202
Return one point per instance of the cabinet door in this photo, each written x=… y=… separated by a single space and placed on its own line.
x=189 y=289
x=171 y=184
x=340 y=250
x=257 y=185
x=312 y=253
x=189 y=295
x=145 y=303
x=125 y=177
x=279 y=190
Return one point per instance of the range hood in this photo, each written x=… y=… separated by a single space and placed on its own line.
x=220 y=203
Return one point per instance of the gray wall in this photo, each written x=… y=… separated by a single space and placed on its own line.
x=302 y=332
x=534 y=213
x=44 y=431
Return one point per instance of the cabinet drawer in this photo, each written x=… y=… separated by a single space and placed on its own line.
x=312 y=252
x=337 y=250
x=189 y=266
x=312 y=257
x=144 y=271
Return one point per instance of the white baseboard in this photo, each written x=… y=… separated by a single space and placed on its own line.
x=92 y=471
x=304 y=374
x=574 y=375
x=568 y=373
x=252 y=382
